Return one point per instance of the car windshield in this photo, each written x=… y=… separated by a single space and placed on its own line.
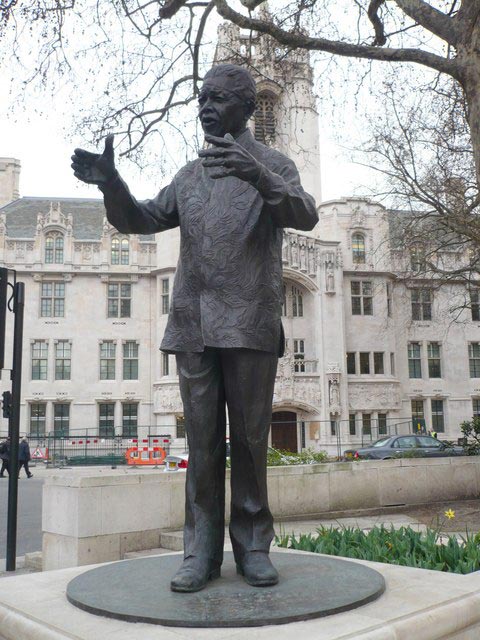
x=380 y=443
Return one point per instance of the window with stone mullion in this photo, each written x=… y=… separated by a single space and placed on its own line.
x=107 y=360
x=438 y=418
x=364 y=363
x=61 y=418
x=165 y=296
x=474 y=359
x=414 y=360
x=367 y=424
x=434 y=363
x=106 y=425
x=165 y=364
x=382 y=424
x=297 y=303
x=421 y=304
x=39 y=360
x=362 y=297
x=352 y=424
x=358 y=248
x=119 y=300
x=38 y=412
x=63 y=360
x=475 y=304
x=129 y=419
x=52 y=302
x=476 y=407
x=299 y=355
x=54 y=248
x=130 y=360
x=378 y=362
x=351 y=363
x=417 y=411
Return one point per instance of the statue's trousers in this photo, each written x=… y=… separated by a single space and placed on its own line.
x=243 y=380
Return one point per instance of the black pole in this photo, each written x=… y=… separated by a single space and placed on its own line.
x=14 y=426
x=3 y=312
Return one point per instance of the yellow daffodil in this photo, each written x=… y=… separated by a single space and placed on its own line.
x=450 y=514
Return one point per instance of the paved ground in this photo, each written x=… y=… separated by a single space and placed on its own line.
x=29 y=524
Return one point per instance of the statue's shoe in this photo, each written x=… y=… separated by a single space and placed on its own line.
x=257 y=569
x=193 y=575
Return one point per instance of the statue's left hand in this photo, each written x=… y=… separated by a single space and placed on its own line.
x=228 y=158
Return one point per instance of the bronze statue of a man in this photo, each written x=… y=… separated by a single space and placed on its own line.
x=224 y=326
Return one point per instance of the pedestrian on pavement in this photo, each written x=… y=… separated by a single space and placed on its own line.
x=5 y=457
x=24 y=457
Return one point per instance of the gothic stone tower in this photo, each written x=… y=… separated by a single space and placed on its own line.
x=9 y=180
x=286 y=117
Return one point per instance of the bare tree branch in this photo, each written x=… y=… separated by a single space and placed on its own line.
x=251 y=4
x=170 y=8
x=435 y=21
x=298 y=40
x=374 y=18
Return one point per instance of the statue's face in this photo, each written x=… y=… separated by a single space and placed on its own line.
x=220 y=110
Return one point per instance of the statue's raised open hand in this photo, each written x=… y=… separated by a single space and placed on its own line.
x=95 y=168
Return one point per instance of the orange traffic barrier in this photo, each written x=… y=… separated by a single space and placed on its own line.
x=145 y=455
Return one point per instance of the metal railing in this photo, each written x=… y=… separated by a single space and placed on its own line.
x=80 y=448
x=89 y=447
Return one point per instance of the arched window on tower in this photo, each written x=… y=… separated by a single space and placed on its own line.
x=358 y=248
x=265 y=118
x=54 y=248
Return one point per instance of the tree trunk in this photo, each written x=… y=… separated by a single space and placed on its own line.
x=468 y=57
x=471 y=85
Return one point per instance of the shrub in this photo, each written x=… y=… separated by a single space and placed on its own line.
x=276 y=458
x=403 y=546
x=471 y=431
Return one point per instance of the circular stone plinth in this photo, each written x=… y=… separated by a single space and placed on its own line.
x=310 y=587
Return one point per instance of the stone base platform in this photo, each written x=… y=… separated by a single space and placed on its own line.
x=416 y=604
x=309 y=587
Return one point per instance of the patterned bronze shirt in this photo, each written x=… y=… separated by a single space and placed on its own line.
x=228 y=288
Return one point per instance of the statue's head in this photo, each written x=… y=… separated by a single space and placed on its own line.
x=226 y=100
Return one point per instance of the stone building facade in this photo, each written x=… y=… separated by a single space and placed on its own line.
x=369 y=351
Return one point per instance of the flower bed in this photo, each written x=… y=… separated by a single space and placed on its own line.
x=403 y=546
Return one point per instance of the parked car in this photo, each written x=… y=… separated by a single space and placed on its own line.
x=399 y=446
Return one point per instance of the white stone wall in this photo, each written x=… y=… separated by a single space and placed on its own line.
x=86 y=271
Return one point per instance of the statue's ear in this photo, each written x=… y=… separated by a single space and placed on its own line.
x=250 y=109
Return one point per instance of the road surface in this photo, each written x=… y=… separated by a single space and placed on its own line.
x=29 y=527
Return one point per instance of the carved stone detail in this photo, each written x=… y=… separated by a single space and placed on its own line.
x=55 y=218
x=300 y=253
x=167 y=398
x=334 y=399
x=295 y=390
x=373 y=396
x=357 y=219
